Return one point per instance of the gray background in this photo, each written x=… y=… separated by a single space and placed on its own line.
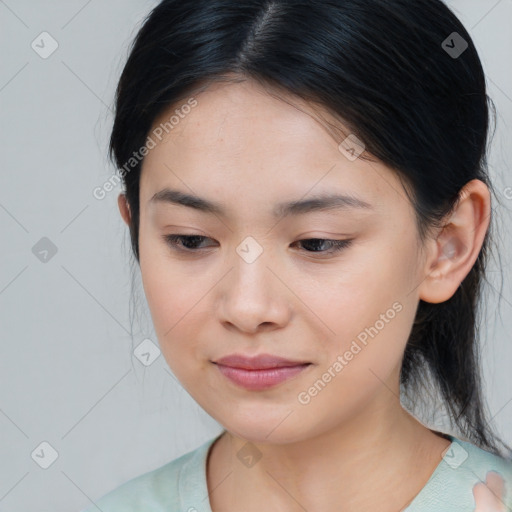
x=67 y=373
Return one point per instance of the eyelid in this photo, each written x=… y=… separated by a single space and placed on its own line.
x=337 y=245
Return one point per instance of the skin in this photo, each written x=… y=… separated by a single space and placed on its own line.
x=489 y=496
x=353 y=443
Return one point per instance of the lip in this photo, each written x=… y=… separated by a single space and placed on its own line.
x=259 y=362
x=261 y=372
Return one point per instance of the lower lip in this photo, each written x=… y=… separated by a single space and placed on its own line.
x=255 y=380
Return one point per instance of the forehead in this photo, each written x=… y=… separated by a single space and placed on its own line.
x=239 y=140
x=226 y=113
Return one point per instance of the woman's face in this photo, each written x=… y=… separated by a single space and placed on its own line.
x=251 y=287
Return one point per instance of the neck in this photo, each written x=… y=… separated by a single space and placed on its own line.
x=366 y=462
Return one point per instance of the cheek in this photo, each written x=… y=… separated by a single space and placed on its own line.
x=369 y=312
x=177 y=316
x=370 y=301
x=167 y=288
x=368 y=345
x=355 y=372
x=174 y=303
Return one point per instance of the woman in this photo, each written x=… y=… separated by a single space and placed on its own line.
x=307 y=197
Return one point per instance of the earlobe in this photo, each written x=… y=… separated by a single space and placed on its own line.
x=124 y=208
x=457 y=245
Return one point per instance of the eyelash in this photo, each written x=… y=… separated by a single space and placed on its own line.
x=337 y=245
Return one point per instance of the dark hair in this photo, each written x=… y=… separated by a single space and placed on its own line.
x=384 y=67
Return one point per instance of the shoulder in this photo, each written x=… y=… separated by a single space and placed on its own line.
x=161 y=489
x=452 y=485
x=471 y=464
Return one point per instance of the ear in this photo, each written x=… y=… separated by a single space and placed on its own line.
x=456 y=246
x=124 y=208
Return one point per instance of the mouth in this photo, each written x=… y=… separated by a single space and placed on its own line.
x=259 y=362
x=260 y=372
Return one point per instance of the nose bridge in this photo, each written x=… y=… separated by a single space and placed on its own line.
x=252 y=294
x=251 y=260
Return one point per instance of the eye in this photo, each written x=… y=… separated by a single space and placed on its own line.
x=335 y=245
x=189 y=243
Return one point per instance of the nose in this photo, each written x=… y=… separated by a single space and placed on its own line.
x=254 y=296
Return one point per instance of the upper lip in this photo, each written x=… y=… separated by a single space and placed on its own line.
x=259 y=362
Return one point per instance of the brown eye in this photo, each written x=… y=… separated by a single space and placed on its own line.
x=188 y=242
x=335 y=245
x=191 y=243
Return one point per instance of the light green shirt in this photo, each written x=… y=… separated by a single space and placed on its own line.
x=180 y=485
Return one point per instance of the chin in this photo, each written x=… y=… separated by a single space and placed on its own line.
x=267 y=430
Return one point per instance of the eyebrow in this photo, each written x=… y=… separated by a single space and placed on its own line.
x=323 y=202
